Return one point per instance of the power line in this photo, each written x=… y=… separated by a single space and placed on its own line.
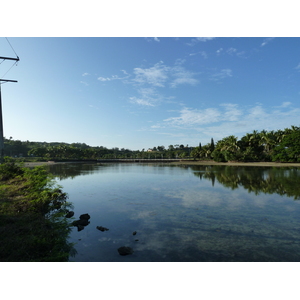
x=12 y=47
x=9 y=69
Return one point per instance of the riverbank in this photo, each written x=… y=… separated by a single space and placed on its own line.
x=245 y=164
x=188 y=162
x=32 y=209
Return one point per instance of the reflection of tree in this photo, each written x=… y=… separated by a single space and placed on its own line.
x=268 y=180
x=64 y=171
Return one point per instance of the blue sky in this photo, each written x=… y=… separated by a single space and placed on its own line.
x=136 y=92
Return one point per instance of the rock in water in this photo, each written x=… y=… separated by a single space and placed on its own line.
x=80 y=227
x=70 y=214
x=101 y=228
x=134 y=233
x=85 y=217
x=81 y=222
x=125 y=250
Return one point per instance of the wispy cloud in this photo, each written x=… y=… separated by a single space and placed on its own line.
x=85 y=74
x=140 y=101
x=152 y=39
x=224 y=73
x=113 y=77
x=231 y=51
x=266 y=41
x=161 y=75
x=219 y=51
x=182 y=76
x=147 y=97
x=156 y=75
x=231 y=119
x=202 y=53
x=194 y=41
x=191 y=117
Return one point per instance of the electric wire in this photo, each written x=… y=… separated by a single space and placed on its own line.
x=8 y=70
x=12 y=47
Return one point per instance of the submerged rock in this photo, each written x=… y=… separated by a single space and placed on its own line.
x=70 y=214
x=85 y=217
x=81 y=222
x=125 y=250
x=134 y=233
x=80 y=227
x=101 y=228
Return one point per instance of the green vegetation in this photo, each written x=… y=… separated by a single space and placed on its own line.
x=277 y=146
x=33 y=226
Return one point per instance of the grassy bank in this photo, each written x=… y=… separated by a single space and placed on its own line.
x=33 y=226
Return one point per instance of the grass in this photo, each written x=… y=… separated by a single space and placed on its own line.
x=32 y=222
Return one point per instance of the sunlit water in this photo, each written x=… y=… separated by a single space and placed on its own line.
x=184 y=213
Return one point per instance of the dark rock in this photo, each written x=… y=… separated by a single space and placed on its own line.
x=102 y=228
x=70 y=214
x=82 y=222
x=134 y=233
x=125 y=250
x=80 y=227
x=85 y=217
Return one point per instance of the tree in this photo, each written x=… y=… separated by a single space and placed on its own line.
x=212 y=145
x=289 y=148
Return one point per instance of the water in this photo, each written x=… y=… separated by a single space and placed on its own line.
x=184 y=213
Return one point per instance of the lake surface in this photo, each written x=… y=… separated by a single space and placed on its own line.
x=184 y=213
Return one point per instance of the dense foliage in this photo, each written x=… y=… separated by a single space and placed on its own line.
x=280 y=145
x=277 y=146
x=33 y=226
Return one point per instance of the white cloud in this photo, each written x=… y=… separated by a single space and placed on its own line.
x=152 y=39
x=142 y=102
x=298 y=67
x=231 y=119
x=231 y=51
x=85 y=74
x=231 y=112
x=219 y=51
x=202 y=53
x=156 y=75
x=266 y=41
x=159 y=75
x=190 y=117
x=182 y=76
x=204 y=39
x=199 y=39
x=224 y=73
x=103 y=79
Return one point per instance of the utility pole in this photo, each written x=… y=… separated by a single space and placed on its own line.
x=1 y=119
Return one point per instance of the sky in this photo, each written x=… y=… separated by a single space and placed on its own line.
x=141 y=92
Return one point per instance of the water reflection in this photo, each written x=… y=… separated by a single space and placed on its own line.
x=184 y=213
x=270 y=180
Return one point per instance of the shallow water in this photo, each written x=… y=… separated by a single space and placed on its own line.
x=184 y=213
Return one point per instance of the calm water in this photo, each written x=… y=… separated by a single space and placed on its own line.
x=184 y=213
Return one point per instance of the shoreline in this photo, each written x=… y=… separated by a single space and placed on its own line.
x=186 y=162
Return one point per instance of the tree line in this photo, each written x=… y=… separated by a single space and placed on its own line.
x=276 y=146
x=280 y=145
